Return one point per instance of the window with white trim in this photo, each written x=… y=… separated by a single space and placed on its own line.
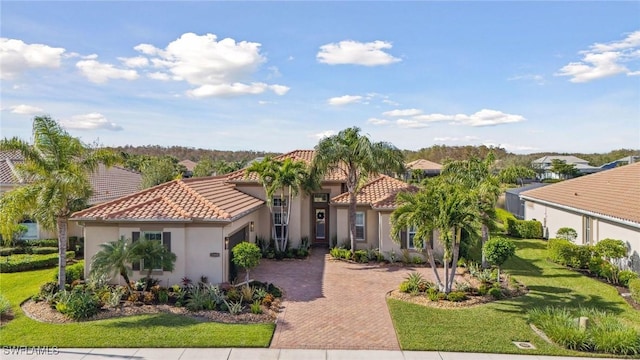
x=360 y=223
x=279 y=215
x=411 y=234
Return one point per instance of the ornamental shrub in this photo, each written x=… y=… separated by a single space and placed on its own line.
x=566 y=233
x=44 y=250
x=528 y=229
x=566 y=253
x=611 y=249
x=25 y=262
x=625 y=276
x=246 y=255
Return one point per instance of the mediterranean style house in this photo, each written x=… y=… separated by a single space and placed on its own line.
x=107 y=184
x=202 y=219
x=598 y=206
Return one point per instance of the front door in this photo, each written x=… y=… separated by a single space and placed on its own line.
x=320 y=216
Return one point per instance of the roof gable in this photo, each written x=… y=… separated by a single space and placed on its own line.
x=422 y=164
x=614 y=193
x=199 y=199
x=379 y=193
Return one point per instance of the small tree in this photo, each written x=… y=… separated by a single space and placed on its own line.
x=498 y=250
x=246 y=255
x=114 y=258
x=566 y=233
x=154 y=255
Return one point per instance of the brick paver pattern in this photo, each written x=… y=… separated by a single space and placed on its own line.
x=330 y=304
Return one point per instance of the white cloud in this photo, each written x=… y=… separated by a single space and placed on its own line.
x=91 y=121
x=16 y=57
x=357 y=53
x=376 y=121
x=538 y=79
x=99 y=73
x=484 y=117
x=510 y=147
x=604 y=60
x=215 y=67
x=323 y=134
x=487 y=117
x=402 y=112
x=159 y=76
x=411 y=124
x=344 y=100
x=455 y=138
x=135 y=62
x=26 y=109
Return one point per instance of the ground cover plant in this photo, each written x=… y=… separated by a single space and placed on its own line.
x=151 y=330
x=503 y=321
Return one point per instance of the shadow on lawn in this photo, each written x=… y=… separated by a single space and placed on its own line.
x=152 y=320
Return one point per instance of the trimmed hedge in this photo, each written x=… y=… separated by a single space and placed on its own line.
x=526 y=229
x=17 y=263
x=566 y=253
x=72 y=272
x=44 y=250
x=43 y=243
x=634 y=288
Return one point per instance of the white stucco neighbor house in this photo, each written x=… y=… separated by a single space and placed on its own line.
x=202 y=219
x=544 y=164
x=598 y=206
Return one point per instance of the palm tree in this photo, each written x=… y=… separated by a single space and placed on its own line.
x=476 y=174
x=56 y=168
x=114 y=258
x=444 y=206
x=356 y=157
x=290 y=179
x=154 y=255
x=267 y=170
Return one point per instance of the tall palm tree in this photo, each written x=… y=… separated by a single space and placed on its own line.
x=56 y=169
x=356 y=157
x=290 y=179
x=114 y=258
x=476 y=174
x=267 y=170
x=444 y=206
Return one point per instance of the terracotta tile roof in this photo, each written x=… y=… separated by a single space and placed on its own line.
x=296 y=155
x=8 y=161
x=112 y=183
x=614 y=193
x=199 y=199
x=379 y=193
x=422 y=164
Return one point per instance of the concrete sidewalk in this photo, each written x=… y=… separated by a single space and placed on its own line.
x=254 y=354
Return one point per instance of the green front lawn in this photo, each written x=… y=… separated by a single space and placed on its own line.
x=492 y=327
x=155 y=330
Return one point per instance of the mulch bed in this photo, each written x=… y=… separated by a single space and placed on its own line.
x=42 y=311
x=423 y=300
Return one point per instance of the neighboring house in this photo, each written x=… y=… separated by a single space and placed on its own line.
x=513 y=203
x=204 y=218
x=544 y=164
x=423 y=169
x=597 y=206
x=624 y=161
x=189 y=165
x=107 y=183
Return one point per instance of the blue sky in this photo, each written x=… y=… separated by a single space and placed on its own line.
x=277 y=76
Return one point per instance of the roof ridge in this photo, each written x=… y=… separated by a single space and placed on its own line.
x=118 y=212
x=126 y=197
x=203 y=199
x=14 y=172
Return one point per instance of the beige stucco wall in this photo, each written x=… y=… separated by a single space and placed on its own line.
x=554 y=218
x=387 y=244
x=199 y=247
x=300 y=220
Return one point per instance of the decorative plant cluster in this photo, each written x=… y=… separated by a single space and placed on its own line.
x=603 y=260
x=603 y=333
x=268 y=249
x=81 y=301
x=526 y=229
x=361 y=256
x=483 y=283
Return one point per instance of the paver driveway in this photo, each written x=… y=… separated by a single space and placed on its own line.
x=331 y=304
